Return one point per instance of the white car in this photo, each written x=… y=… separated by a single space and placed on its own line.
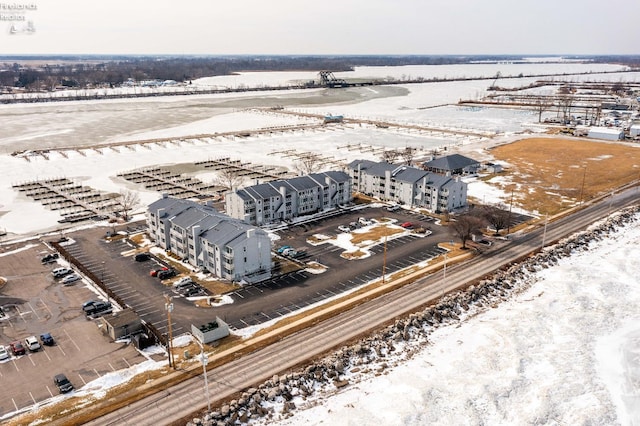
x=70 y=279
x=343 y=228
x=3 y=352
x=32 y=343
x=183 y=281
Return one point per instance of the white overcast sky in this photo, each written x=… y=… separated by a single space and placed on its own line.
x=324 y=27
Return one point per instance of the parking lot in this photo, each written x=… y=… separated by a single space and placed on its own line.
x=83 y=353
x=35 y=303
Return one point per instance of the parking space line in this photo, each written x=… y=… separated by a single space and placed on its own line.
x=32 y=398
x=45 y=352
x=72 y=341
x=50 y=393
x=111 y=366
x=81 y=378
x=126 y=362
x=45 y=306
x=33 y=363
x=14 y=404
x=61 y=350
x=33 y=310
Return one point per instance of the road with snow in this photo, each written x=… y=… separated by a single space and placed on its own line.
x=187 y=397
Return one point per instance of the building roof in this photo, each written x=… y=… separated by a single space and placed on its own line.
x=410 y=174
x=451 y=162
x=125 y=317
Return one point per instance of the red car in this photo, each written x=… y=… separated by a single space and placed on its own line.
x=17 y=348
x=154 y=272
x=407 y=225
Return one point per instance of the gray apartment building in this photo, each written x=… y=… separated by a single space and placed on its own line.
x=408 y=185
x=206 y=238
x=283 y=200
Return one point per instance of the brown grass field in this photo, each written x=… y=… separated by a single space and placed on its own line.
x=548 y=175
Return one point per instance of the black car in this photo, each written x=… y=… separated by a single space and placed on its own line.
x=163 y=275
x=51 y=257
x=97 y=307
x=141 y=257
x=63 y=384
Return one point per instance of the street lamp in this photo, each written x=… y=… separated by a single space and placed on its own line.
x=169 y=308
x=444 y=273
x=204 y=359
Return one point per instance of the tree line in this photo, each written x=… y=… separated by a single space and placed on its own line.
x=80 y=73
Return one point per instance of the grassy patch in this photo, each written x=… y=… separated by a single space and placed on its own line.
x=376 y=233
x=549 y=175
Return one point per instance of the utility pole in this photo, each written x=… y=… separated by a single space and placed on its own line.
x=169 y=307
x=444 y=273
x=204 y=359
x=509 y=218
x=544 y=233
x=584 y=177
x=384 y=258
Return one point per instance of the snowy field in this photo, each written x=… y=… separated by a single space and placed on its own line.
x=82 y=123
x=564 y=352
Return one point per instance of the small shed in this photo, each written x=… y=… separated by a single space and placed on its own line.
x=634 y=130
x=210 y=332
x=607 y=133
x=121 y=324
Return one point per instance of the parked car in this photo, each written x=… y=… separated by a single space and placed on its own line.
x=61 y=272
x=4 y=354
x=364 y=221
x=393 y=208
x=141 y=257
x=49 y=258
x=407 y=225
x=183 y=280
x=187 y=287
x=168 y=273
x=89 y=304
x=197 y=291
x=17 y=348
x=63 y=384
x=70 y=279
x=289 y=252
x=283 y=248
x=154 y=272
x=47 y=339
x=32 y=343
x=343 y=228
x=97 y=307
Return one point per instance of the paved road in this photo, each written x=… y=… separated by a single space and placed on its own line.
x=165 y=407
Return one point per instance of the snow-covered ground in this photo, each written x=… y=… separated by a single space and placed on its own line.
x=564 y=352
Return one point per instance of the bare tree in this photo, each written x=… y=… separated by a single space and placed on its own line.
x=465 y=226
x=390 y=156
x=308 y=164
x=497 y=216
x=127 y=200
x=408 y=154
x=229 y=178
x=542 y=106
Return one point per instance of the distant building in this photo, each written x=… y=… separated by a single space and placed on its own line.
x=408 y=185
x=607 y=133
x=454 y=164
x=283 y=200
x=206 y=238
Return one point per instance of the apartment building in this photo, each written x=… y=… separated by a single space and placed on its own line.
x=205 y=238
